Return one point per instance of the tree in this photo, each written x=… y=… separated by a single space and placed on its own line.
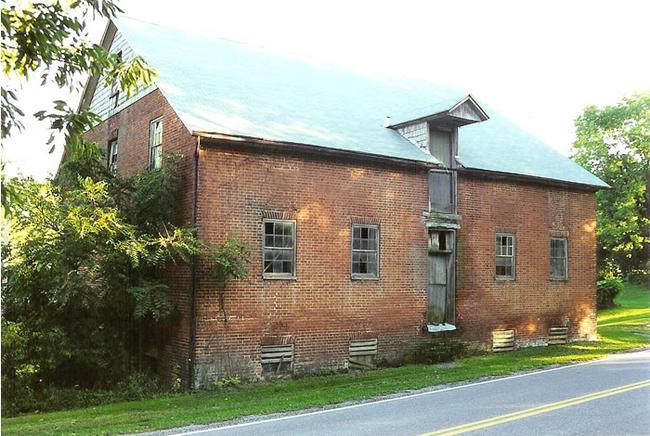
x=614 y=143
x=50 y=39
x=84 y=296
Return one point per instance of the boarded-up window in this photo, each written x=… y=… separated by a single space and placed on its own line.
x=112 y=156
x=279 y=250
x=365 y=251
x=155 y=144
x=441 y=191
x=558 y=258
x=505 y=256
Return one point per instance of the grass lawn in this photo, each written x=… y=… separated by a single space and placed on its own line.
x=622 y=328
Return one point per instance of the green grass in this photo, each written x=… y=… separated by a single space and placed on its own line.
x=622 y=328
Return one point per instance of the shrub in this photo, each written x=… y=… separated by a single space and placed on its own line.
x=137 y=386
x=606 y=290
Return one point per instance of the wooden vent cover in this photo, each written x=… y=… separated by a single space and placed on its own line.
x=503 y=340
x=363 y=353
x=280 y=354
x=557 y=335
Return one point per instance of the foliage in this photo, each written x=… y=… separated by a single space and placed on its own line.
x=50 y=39
x=227 y=382
x=625 y=327
x=83 y=296
x=228 y=261
x=607 y=290
x=614 y=143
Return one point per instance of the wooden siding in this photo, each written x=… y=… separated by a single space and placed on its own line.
x=100 y=103
x=416 y=134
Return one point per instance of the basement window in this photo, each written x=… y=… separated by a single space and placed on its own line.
x=558 y=258
x=365 y=251
x=279 y=249
x=505 y=256
x=155 y=144
x=112 y=156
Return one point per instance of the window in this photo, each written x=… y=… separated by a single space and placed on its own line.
x=112 y=156
x=155 y=144
x=558 y=258
x=279 y=249
x=440 y=241
x=114 y=99
x=505 y=259
x=365 y=251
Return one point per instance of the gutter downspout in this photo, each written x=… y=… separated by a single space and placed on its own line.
x=192 y=338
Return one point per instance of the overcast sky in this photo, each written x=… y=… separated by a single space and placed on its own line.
x=537 y=62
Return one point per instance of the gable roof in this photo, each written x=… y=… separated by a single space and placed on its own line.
x=225 y=87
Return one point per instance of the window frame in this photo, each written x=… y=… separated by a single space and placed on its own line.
x=365 y=276
x=565 y=276
x=273 y=275
x=511 y=277
x=151 y=144
x=113 y=150
x=114 y=98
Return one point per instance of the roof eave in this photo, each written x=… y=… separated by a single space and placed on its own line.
x=536 y=179
x=448 y=113
x=318 y=149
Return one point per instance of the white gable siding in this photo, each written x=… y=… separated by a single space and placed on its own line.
x=417 y=133
x=101 y=103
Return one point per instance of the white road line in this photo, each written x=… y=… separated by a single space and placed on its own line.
x=404 y=397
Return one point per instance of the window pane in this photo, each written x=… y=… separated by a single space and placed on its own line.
x=505 y=255
x=279 y=245
x=557 y=268
x=504 y=261
x=558 y=261
x=365 y=247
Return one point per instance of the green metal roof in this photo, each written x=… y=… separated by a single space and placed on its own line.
x=221 y=86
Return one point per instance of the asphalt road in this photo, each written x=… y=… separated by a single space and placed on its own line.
x=605 y=397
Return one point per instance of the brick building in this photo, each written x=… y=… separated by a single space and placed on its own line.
x=379 y=212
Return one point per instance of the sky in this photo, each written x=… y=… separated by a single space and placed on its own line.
x=540 y=63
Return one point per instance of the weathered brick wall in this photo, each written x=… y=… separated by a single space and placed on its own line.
x=532 y=302
x=323 y=308
x=131 y=127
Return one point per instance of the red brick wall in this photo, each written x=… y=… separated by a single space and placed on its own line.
x=532 y=302
x=131 y=127
x=322 y=309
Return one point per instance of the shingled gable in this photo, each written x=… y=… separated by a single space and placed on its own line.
x=232 y=90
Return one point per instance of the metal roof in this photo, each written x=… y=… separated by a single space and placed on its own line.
x=221 y=86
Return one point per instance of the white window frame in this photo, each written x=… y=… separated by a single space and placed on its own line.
x=512 y=276
x=152 y=162
x=279 y=275
x=565 y=275
x=364 y=276
x=113 y=150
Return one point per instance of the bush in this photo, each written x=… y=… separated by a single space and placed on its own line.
x=438 y=350
x=137 y=386
x=606 y=290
